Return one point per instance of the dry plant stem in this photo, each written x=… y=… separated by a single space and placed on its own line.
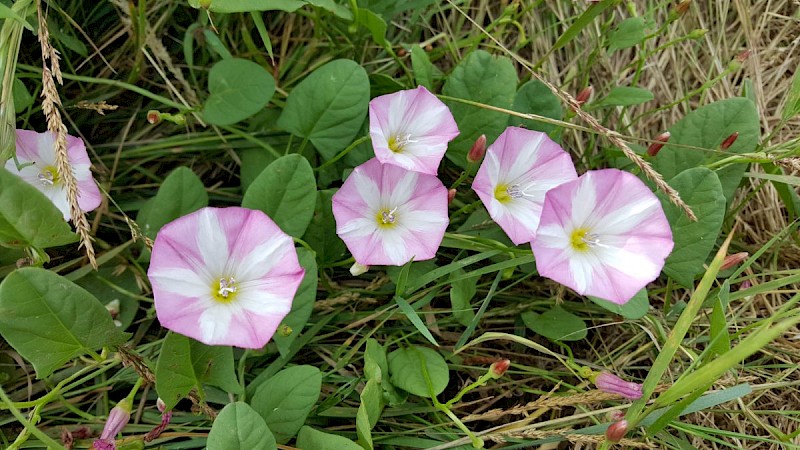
x=612 y=136
x=50 y=103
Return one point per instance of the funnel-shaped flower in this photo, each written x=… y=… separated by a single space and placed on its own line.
x=387 y=215
x=519 y=168
x=411 y=129
x=37 y=153
x=604 y=234
x=224 y=276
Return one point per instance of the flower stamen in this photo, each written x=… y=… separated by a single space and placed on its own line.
x=582 y=240
x=48 y=176
x=387 y=217
x=225 y=289
x=398 y=142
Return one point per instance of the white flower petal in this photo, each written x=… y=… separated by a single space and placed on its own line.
x=212 y=243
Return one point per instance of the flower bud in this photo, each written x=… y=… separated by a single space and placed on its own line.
x=284 y=330
x=357 y=269
x=584 y=95
x=745 y=285
x=697 y=33
x=113 y=308
x=682 y=7
x=117 y=419
x=499 y=368
x=160 y=405
x=726 y=144
x=478 y=150
x=153 y=116
x=733 y=260
x=742 y=57
x=655 y=147
x=617 y=430
x=451 y=194
x=612 y=384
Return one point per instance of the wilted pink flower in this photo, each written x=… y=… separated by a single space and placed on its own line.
x=411 y=129
x=603 y=234
x=584 y=95
x=224 y=276
x=734 y=260
x=37 y=153
x=608 y=382
x=118 y=417
x=519 y=168
x=387 y=215
x=166 y=417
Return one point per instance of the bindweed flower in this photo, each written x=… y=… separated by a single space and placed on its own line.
x=118 y=417
x=387 y=215
x=224 y=276
x=36 y=153
x=603 y=234
x=411 y=129
x=478 y=150
x=656 y=146
x=498 y=368
x=519 y=168
x=612 y=384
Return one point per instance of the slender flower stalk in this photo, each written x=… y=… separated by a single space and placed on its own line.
x=224 y=276
x=603 y=234
x=519 y=168
x=39 y=167
x=387 y=215
x=411 y=129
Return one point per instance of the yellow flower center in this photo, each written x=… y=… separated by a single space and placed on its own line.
x=224 y=290
x=48 y=176
x=502 y=194
x=398 y=142
x=386 y=217
x=581 y=240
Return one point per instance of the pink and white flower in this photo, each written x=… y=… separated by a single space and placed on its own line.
x=224 y=276
x=36 y=153
x=411 y=129
x=387 y=215
x=519 y=168
x=603 y=234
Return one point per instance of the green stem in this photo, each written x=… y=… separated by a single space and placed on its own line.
x=30 y=427
x=342 y=154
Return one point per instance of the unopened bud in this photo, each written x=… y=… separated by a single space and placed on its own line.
x=478 y=150
x=655 y=147
x=726 y=144
x=612 y=384
x=584 y=95
x=160 y=405
x=616 y=416
x=153 y=116
x=117 y=419
x=742 y=57
x=357 y=269
x=682 y=7
x=113 y=308
x=498 y=369
x=697 y=33
x=284 y=330
x=451 y=194
x=402 y=52
x=745 y=285
x=733 y=260
x=617 y=430
x=429 y=48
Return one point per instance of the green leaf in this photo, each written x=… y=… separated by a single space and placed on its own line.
x=8 y=13
x=376 y=367
x=582 y=22
x=303 y=303
x=462 y=291
x=286 y=399
x=557 y=324
x=286 y=192
x=329 y=106
x=424 y=71
x=50 y=320
x=701 y=190
x=625 y=96
x=239 y=427
x=311 y=439
x=792 y=105
x=185 y=363
x=406 y=369
x=233 y=6
x=627 y=34
x=411 y=314
x=636 y=308
x=109 y=284
x=535 y=98
x=181 y=193
x=375 y=24
x=391 y=8
x=369 y=411
x=28 y=218
x=338 y=10
x=321 y=232
x=237 y=89
x=481 y=78
x=22 y=98
x=706 y=128
x=174 y=370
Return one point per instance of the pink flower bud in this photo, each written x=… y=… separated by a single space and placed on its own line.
x=608 y=382
x=357 y=269
x=742 y=57
x=584 y=95
x=160 y=405
x=726 y=144
x=617 y=430
x=478 y=150
x=655 y=147
x=117 y=419
x=451 y=194
x=499 y=368
x=733 y=260
x=153 y=116
x=745 y=285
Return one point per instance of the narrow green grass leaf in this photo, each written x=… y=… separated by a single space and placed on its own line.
x=409 y=312
x=582 y=22
x=258 y=21
x=792 y=105
x=625 y=96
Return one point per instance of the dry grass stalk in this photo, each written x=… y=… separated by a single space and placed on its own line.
x=612 y=136
x=50 y=103
x=565 y=433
